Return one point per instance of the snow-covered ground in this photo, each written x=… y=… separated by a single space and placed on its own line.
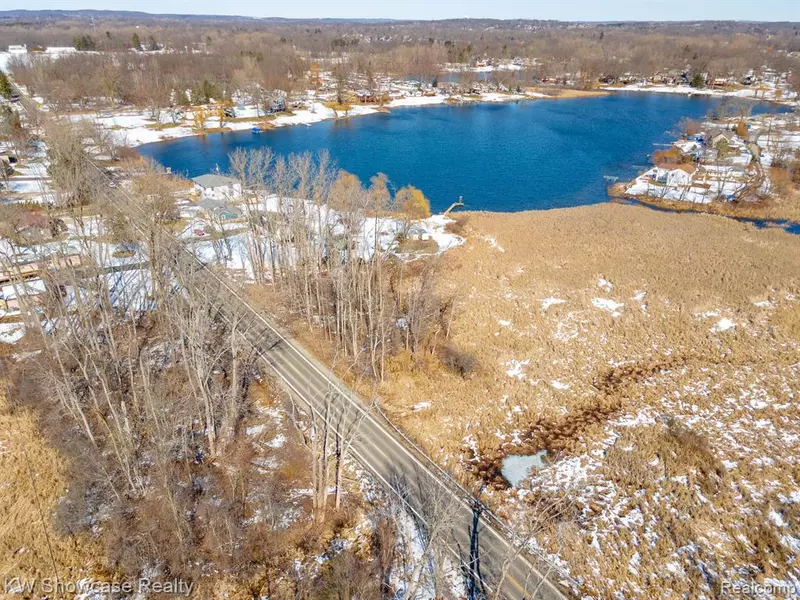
x=236 y=252
x=128 y=280
x=767 y=92
x=54 y=52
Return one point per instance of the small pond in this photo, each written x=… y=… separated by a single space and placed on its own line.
x=517 y=467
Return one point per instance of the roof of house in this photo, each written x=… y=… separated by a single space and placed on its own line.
x=688 y=167
x=210 y=204
x=219 y=209
x=726 y=133
x=212 y=180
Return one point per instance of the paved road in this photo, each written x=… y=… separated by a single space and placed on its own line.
x=398 y=466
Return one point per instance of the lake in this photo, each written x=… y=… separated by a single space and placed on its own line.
x=533 y=154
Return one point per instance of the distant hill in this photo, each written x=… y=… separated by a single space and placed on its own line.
x=123 y=15
x=33 y=16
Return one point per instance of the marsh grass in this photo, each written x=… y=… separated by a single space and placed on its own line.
x=32 y=480
x=673 y=394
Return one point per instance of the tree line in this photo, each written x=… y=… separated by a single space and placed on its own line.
x=263 y=57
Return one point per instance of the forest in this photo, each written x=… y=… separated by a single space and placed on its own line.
x=146 y=59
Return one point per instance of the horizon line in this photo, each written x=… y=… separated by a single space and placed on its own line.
x=382 y=19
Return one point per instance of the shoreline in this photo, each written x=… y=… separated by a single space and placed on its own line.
x=143 y=131
x=736 y=213
x=756 y=215
x=759 y=223
x=743 y=93
x=701 y=179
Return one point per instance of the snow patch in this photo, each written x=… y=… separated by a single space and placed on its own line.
x=516 y=368
x=724 y=324
x=615 y=308
x=551 y=301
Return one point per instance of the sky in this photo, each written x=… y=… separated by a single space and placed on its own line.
x=564 y=10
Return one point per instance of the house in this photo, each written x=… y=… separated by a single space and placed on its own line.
x=674 y=175
x=17 y=49
x=418 y=232
x=278 y=103
x=36 y=226
x=367 y=97
x=716 y=138
x=219 y=210
x=217 y=187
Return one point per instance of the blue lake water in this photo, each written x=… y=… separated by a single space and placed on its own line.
x=534 y=154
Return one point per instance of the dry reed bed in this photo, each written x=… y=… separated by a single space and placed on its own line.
x=665 y=384
x=32 y=479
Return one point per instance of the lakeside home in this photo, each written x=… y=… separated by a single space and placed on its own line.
x=217 y=187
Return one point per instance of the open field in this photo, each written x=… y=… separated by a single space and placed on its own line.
x=655 y=357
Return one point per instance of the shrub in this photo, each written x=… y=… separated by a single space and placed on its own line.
x=413 y=203
x=671 y=155
x=741 y=130
x=458 y=361
x=793 y=170
x=458 y=225
x=689 y=127
x=84 y=43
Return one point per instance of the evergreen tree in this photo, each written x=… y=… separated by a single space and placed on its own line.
x=84 y=43
x=136 y=43
x=5 y=86
x=698 y=81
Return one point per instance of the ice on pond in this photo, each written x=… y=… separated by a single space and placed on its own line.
x=516 y=467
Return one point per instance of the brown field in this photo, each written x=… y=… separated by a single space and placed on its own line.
x=32 y=479
x=663 y=385
x=564 y=93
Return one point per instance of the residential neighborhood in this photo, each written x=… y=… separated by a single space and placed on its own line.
x=730 y=160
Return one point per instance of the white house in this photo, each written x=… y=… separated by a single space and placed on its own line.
x=17 y=49
x=217 y=187
x=674 y=175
